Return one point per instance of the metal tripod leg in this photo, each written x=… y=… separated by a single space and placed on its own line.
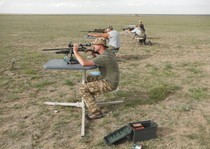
x=77 y=104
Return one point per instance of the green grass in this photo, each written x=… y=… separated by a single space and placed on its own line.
x=69 y=83
x=43 y=84
x=160 y=92
x=198 y=93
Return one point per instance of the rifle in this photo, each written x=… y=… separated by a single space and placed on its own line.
x=129 y=27
x=69 y=50
x=99 y=30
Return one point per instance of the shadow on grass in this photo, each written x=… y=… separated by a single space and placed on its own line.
x=136 y=97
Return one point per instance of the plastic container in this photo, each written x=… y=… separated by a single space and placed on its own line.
x=118 y=135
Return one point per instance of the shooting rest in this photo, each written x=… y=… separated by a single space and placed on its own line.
x=61 y=64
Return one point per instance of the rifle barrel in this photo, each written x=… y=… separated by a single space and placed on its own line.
x=84 y=31
x=56 y=49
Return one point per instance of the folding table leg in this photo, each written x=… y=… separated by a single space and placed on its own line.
x=83 y=119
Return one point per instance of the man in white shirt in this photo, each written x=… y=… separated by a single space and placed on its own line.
x=112 y=36
x=137 y=31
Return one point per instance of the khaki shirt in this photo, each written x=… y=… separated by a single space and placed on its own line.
x=108 y=67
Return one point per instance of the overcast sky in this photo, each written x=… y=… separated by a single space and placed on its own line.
x=105 y=6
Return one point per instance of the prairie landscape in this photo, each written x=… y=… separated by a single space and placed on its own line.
x=167 y=82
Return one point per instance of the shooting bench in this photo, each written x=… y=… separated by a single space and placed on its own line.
x=61 y=64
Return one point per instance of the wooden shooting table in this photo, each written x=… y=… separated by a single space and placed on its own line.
x=61 y=64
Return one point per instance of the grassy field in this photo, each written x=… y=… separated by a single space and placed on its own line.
x=167 y=82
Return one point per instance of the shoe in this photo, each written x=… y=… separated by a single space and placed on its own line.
x=93 y=116
x=150 y=43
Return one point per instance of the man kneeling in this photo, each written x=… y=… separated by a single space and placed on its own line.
x=106 y=82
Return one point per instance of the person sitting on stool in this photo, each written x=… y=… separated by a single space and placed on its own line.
x=106 y=82
x=139 y=33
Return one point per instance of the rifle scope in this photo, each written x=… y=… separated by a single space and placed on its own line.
x=81 y=44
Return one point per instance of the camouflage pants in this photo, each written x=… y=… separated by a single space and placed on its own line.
x=92 y=87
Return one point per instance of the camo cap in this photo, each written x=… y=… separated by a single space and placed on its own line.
x=99 y=41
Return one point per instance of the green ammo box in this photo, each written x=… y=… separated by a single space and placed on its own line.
x=118 y=135
x=144 y=130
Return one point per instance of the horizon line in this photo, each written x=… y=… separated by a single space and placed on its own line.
x=133 y=14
